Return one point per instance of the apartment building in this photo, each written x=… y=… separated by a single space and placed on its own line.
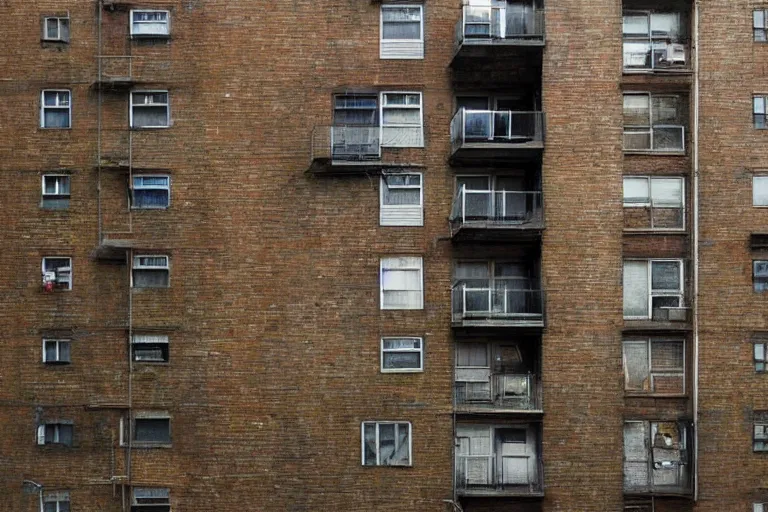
x=469 y=255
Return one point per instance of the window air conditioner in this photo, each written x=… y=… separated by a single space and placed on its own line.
x=49 y=277
x=675 y=54
x=62 y=275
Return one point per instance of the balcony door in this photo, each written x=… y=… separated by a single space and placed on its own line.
x=500 y=198
x=513 y=456
x=498 y=288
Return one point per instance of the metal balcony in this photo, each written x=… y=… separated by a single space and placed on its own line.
x=497 y=475
x=496 y=304
x=499 y=393
x=495 y=136
x=496 y=215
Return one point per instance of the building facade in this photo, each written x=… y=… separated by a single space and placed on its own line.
x=435 y=256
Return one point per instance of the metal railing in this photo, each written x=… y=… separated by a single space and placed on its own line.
x=497 y=126
x=506 y=300
x=501 y=391
x=499 y=474
x=513 y=24
x=346 y=143
x=661 y=138
x=505 y=207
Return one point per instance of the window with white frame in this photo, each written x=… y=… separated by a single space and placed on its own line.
x=56 y=190
x=56 y=29
x=401 y=282
x=386 y=443
x=653 y=40
x=654 y=366
x=760 y=350
x=760 y=432
x=758 y=111
x=151 y=271
x=402 y=31
x=55 y=432
x=760 y=275
x=759 y=26
x=150 y=109
x=652 y=286
x=760 y=191
x=150 y=348
x=759 y=507
x=658 y=203
x=401 y=200
x=401 y=119
x=151 y=499
x=56 y=108
x=150 y=23
x=150 y=192
x=57 y=272
x=654 y=122
x=402 y=354
x=56 y=351
x=55 y=501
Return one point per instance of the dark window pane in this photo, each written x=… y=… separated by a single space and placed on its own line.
x=369 y=442
x=153 y=430
x=402 y=360
x=665 y=275
x=50 y=351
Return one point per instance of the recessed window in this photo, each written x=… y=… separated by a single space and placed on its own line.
x=654 y=366
x=653 y=203
x=151 y=271
x=56 y=351
x=402 y=355
x=760 y=191
x=57 y=273
x=152 y=430
x=55 y=433
x=758 y=25
x=402 y=32
x=150 y=348
x=760 y=437
x=56 y=109
x=57 y=501
x=151 y=192
x=150 y=109
x=759 y=507
x=652 y=288
x=760 y=351
x=654 y=122
x=150 y=23
x=758 y=111
x=386 y=443
x=56 y=29
x=401 y=282
x=151 y=499
x=760 y=275
x=401 y=120
x=654 y=40
x=56 y=191
x=401 y=200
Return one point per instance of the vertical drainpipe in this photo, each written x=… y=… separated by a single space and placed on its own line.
x=695 y=201
x=100 y=8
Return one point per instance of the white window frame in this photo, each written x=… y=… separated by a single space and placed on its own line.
x=764 y=179
x=58 y=194
x=419 y=351
x=144 y=339
x=382 y=125
x=759 y=19
x=764 y=278
x=41 y=433
x=378 y=447
x=650 y=201
x=759 y=507
x=57 y=497
x=136 y=265
x=71 y=273
x=760 y=354
x=760 y=435
x=660 y=293
x=383 y=41
x=407 y=210
x=651 y=373
x=759 y=109
x=150 y=187
x=59 y=20
x=652 y=124
x=165 y=34
x=420 y=187
x=57 y=106
x=419 y=268
x=58 y=343
x=167 y=105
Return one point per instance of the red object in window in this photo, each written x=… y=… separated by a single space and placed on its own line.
x=48 y=286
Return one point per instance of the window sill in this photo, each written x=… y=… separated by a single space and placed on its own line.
x=47 y=128
x=150 y=37
x=641 y=231
x=55 y=364
x=54 y=41
x=656 y=71
x=140 y=128
x=150 y=208
x=402 y=371
x=146 y=445
x=651 y=152
x=152 y=363
x=637 y=394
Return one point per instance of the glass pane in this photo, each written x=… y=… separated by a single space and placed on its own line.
x=153 y=430
x=637 y=54
x=667 y=110
x=484 y=182
x=64 y=27
x=63 y=185
x=758 y=19
x=399 y=116
x=636 y=110
x=636 y=25
x=758 y=105
x=369 y=444
x=472 y=270
x=401 y=14
x=401 y=30
x=636 y=366
x=386 y=444
x=665 y=275
x=356 y=102
x=402 y=454
x=65 y=434
x=667 y=192
x=150 y=116
x=150 y=278
x=402 y=360
x=152 y=198
x=635 y=288
x=667 y=356
x=760 y=190
x=759 y=352
x=472 y=354
x=49 y=98
x=64 y=354
x=403 y=343
x=56 y=118
x=636 y=191
x=50 y=185
x=52 y=28
x=665 y=25
x=760 y=268
x=668 y=139
x=50 y=351
x=49 y=507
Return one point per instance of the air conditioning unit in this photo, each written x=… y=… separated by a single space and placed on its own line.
x=670 y=314
x=675 y=54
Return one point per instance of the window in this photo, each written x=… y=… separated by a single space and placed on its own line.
x=657 y=203
x=56 y=109
x=56 y=501
x=56 y=351
x=758 y=25
x=402 y=32
x=402 y=355
x=151 y=192
x=759 y=507
x=55 y=433
x=651 y=287
x=57 y=273
x=760 y=349
x=653 y=40
x=152 y=430
x=148 y=23
x=760 y=191
x=150 y=348
x=151 y=271
x=386 y=443
x=401 y=200
x=760 y=436
x=654 y=366
x=657 y=456
x=56 y=29
x=151 y=499
x=760 y=275
x=758 y=111
x=654 y=122
x=55 y=191
x=150 y=109
x=401 y=120
x=401 y=283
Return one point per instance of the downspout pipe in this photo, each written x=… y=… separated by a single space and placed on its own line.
x=695 y=214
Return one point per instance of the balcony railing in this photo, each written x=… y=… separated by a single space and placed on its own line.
x=496 y=127
x=660 y=138
x=656 y=56
x=346 y=144
x=502 y=475
x=500 y=208
x=501 y=391
x=501 y=303
x=512 y=25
